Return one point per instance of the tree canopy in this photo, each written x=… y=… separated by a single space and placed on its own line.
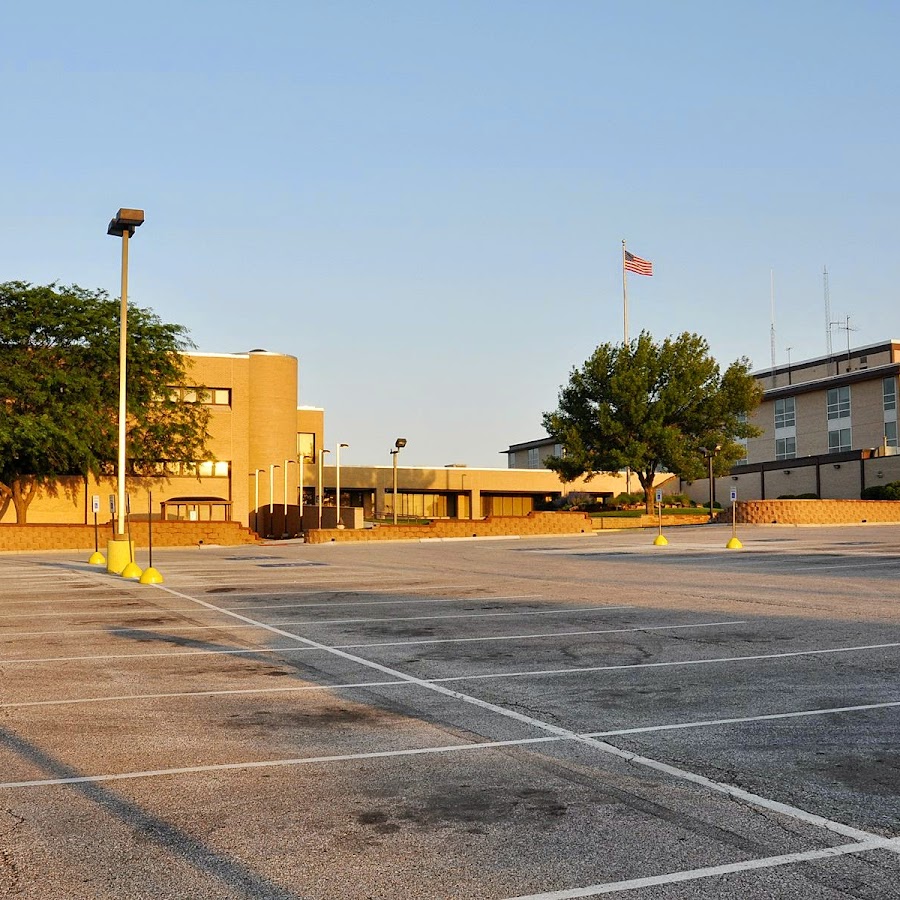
x=59 y=389
x=652 y=407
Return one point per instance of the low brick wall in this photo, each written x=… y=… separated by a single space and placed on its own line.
x=817 y=512
x=602 y=523
x=81 y=537
x=495 y=526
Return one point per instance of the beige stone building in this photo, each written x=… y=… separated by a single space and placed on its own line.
x=258 y=435
x=829 y=428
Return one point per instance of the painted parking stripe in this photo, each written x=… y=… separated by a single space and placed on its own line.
x=416 y=751
x=251 y=623
x=661 y=665
x=549 y=728
x=144 y=610
x=768 y=862
x=252 y=650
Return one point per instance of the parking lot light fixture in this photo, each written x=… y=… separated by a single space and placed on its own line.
x=119 y=549
x=399 y=444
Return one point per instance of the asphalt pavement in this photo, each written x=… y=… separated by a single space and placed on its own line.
x=543 y=718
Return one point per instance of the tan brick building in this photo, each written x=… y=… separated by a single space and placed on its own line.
x=258 y=434
x=829 y=428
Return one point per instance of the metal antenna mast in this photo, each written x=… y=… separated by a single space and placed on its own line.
x=772 y=329
x=828 y=322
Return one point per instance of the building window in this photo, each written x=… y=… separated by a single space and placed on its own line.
x=306 y=446
x=890 y=434
x=785 y=448
x=534 y=457
x=559 y=450
x=889 y=390
x=209 y=396
x=839 y=403
x=838 y=440
x=785 y=413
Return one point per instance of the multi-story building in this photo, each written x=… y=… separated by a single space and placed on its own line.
x=828 y=428
x=258 y=437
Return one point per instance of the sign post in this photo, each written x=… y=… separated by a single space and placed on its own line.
x=97 y=558
x=734 y=543
x=659 y=540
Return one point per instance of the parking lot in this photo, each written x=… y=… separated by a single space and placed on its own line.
x=543 y=718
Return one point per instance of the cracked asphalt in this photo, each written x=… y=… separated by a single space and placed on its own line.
x=549 y=718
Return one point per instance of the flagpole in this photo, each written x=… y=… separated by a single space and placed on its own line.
x=624 y=292
x=625 y=344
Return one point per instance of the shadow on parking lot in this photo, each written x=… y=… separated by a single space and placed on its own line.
x=232 y=873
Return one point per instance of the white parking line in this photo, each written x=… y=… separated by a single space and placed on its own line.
x=768 y=862
x=156 y=610
x=252 y=650
x=314 y=622
x=661 y=665
x=548 y=728
x=417 y=751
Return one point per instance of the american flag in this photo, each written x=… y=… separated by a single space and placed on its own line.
x=636 y=264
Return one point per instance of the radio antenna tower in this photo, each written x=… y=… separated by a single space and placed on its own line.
x=828 y=322
x=772 y=329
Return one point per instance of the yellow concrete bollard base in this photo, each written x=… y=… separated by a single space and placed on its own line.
x=660 y=541
x=97 y=559
x=734 y=544
x=132 y=571
x=151 y=576
x=119 y=553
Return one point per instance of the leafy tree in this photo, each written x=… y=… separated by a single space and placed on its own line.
x=59 y=390
x=652 y=407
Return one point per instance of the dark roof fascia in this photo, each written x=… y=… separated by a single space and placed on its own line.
x=831 y=381
x=527 y=445
x=855 y=353
x=799 y=462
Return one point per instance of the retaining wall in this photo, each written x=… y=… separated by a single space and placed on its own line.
x=81 y=537
x=817 y=512
x=494 y=526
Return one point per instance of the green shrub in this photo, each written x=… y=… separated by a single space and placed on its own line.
x=681 y=500
x=889 y=491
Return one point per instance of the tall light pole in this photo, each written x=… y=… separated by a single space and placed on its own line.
x=320 y=484
x=287 y=462
x=399 y=444
x=710 y=455
x=256 y=475
x=337 y=483
x=118 y=551
x=272 y=468
x=300 y=462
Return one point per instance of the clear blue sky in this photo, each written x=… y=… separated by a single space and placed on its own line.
x=425 y=200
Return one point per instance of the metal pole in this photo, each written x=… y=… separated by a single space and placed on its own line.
x=150 y=525
x=300 y=491
x=272 y=468
x=624 y=292
x=394 y=496
x=712 y=498
x=123 y=343
x=337 y=483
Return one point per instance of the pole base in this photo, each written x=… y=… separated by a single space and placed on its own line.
x=734 y=544
x=119 y=553
x=132 y=571
x=660 y=541
x=151 y=576
x=97 y=559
